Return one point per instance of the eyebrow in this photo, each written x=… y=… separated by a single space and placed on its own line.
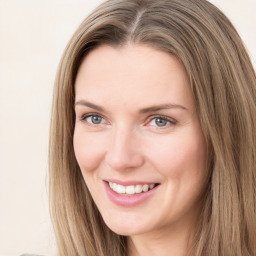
x=161 y=107
x=90 y=105
x=143 y=110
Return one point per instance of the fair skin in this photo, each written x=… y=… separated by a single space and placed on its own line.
x=136 y=124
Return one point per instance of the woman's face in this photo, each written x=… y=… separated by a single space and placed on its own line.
x=138 y=139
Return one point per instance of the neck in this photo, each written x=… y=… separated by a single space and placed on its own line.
x=165 y=242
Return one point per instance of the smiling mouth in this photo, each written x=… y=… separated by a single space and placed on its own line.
x=131 y=189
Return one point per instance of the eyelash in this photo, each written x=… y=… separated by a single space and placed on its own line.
x=171 y=121
x=84 y=117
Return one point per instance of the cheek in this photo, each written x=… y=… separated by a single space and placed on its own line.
x=182 y=163
x=179 y=156
x=88 y=149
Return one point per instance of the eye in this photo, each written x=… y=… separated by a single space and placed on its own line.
x=161 y=122
x=93 y=119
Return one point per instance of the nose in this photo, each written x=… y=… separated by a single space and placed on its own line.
x=124 y=151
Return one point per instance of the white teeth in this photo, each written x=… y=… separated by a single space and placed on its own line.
x=151 y=186
x=120 y=189
x=145 y=188
x=138 y=189
x=130 y=190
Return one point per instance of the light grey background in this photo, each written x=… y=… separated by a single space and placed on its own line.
x=33 y=35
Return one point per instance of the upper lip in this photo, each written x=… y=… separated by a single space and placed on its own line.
x=130 y=182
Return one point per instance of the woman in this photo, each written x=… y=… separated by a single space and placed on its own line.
x=152 y=147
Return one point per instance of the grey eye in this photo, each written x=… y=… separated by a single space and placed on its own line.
x=160 y=122
x=94 y=119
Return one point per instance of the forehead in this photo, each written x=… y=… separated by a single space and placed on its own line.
x=133 y=73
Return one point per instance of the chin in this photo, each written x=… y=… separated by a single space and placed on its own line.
x=127 y=227
x=126 y=231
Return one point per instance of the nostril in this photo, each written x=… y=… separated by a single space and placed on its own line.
x=123 y=160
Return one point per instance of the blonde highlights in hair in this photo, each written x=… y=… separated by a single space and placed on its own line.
x=224 y=86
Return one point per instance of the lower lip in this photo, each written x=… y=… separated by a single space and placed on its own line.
x=131 y=200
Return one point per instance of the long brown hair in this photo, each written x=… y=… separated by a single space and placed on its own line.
x=224 y=87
